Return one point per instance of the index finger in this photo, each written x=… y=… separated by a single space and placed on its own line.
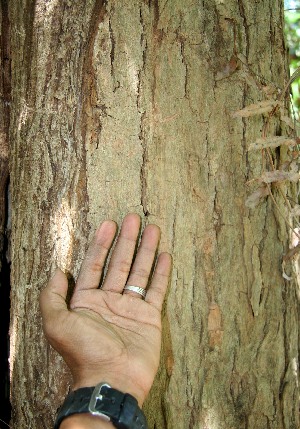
x=92 y=266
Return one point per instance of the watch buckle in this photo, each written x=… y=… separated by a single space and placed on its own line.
x=96 y=395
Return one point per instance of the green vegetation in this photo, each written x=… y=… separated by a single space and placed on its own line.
x=292 y=29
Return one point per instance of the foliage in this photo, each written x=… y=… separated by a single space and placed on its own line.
x=292 y=30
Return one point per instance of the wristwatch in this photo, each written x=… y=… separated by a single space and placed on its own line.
x=112 y=405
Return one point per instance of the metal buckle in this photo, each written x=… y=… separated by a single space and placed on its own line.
x=96 y=395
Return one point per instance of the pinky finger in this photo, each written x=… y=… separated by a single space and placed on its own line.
x=158 y=287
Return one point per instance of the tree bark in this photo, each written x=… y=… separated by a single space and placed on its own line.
x=127 y=106
x=4 y=218
x=4 y=115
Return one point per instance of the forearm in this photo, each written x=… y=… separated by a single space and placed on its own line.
x=85 y=421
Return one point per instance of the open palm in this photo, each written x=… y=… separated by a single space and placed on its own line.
x=111 y=334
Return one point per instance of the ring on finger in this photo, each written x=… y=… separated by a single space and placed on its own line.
x=136 y=289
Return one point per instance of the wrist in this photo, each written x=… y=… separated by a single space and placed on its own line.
x=103 y=402
x=83 y=421
x=119 y=382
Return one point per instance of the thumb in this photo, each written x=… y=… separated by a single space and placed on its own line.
x=53 y=297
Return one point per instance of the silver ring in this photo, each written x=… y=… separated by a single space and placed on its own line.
x=136 y=289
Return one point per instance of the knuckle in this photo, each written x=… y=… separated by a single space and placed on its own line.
x=140 y=272
x=50 y=331
x=54 y=331
x=43 y=294
x=162 y=275
x=123 y=266
x=96 y=266
x=157 y=291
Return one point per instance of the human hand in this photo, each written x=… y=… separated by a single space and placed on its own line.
x=107 y=334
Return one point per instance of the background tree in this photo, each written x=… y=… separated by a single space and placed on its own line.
x=292 y=30
x=128 y=106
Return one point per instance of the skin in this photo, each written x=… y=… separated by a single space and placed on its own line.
x=109 y=334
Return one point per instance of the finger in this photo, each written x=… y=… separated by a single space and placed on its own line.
x=53 y=297
x=92 y=266
x=121 y=259
x=158 y=287
x=141 y=269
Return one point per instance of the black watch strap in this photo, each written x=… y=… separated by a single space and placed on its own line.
x=112 y=405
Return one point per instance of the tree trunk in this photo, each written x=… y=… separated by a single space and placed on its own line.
x=128 y=106
x=4 y=115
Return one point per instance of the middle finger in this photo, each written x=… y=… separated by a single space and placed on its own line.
x=141 y=269
x=121 y=259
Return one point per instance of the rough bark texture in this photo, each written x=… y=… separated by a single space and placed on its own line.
x=4 y=219
x=4 y=114
x=124 y=106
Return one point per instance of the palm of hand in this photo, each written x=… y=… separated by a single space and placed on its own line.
x=118 y=332
x=107 y=335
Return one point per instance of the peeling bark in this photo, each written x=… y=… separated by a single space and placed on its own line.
x=127 y=106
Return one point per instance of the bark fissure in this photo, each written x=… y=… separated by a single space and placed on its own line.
x=184 y=61
x=245 y=26
x=88 y=75
x=27 y=53
x=143 y=176
x=112 y=53
x=143 y=118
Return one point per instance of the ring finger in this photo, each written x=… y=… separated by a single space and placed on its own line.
x=141 y=269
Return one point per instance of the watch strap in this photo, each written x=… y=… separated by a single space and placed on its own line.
x=112 y=405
